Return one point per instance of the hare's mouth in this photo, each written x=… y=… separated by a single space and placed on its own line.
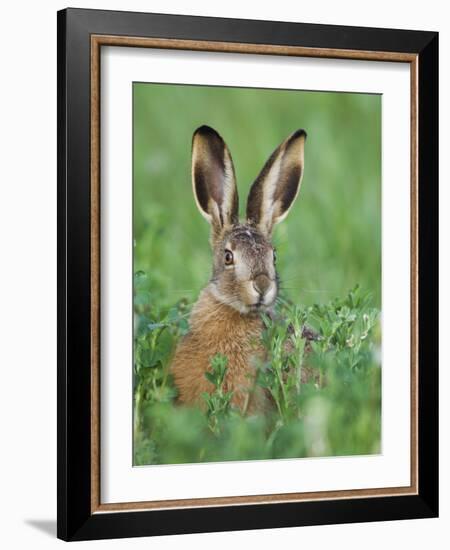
x=243 y=302
x=264 y=303
x=261 y=305
x=259 y=302
x=245 y=308
x=255 y=308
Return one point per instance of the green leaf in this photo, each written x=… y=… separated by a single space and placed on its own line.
x=140 y=280
x=210 y=377
x=142 y=298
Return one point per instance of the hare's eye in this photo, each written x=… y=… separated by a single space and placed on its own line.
x=228 y=257
x=274 y=256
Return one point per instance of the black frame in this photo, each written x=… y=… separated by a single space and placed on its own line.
x=75 y=521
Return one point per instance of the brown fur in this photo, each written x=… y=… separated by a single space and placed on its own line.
x=218 y=328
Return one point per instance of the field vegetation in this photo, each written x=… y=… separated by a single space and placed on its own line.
x=329 y=261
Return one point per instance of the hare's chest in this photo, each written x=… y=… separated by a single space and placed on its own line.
x=243 y=360
x=243 y=350
x=242 y=357
x=239 y=341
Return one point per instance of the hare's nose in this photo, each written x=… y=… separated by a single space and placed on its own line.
x=261 y=283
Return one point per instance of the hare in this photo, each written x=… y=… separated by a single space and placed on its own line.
x=226 y=317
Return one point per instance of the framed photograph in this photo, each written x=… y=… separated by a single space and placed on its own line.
x=247 y=255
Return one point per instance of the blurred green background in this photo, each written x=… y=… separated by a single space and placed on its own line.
x=331 y=239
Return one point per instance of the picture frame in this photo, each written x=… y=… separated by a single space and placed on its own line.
x=81 y=36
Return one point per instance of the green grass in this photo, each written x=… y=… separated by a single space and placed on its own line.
x=329 y=243
x=336 y=412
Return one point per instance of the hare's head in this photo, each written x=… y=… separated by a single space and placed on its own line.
x=244 y=273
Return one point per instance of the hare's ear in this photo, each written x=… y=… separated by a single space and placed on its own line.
x=276 y=188
x=213 y=179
